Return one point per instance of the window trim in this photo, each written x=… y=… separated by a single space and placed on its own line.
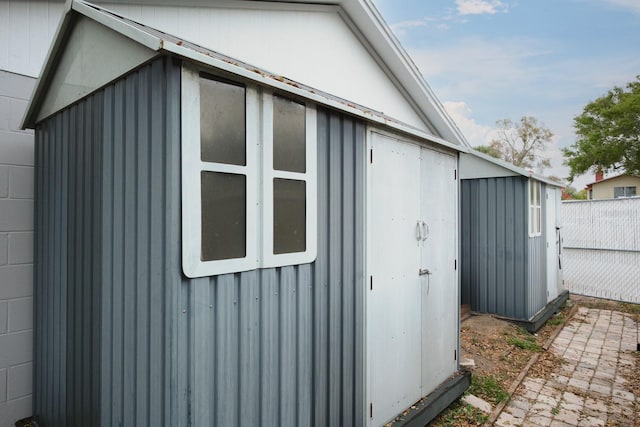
x=535 y=208
x=626 y=189
x=259 y=174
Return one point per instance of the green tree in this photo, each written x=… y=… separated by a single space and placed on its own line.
x=575 y=194
x=608 y=133
x=520 y=143
x=489 y=150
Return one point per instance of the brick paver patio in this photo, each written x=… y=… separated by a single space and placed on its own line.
x=588 y=389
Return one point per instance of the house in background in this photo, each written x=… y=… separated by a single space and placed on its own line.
x=613 y=187
x=229 y=230
x=511 y=241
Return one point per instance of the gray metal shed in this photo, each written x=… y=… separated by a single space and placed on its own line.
x=131 y=329
x=511 y=241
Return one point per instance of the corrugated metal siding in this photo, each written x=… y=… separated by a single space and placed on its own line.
x=284 y=346
x=139 y=255
x=67 y=261
x=107 y=202
x=494 y=246
x=124 y=339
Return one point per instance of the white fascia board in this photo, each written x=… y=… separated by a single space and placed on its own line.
x=369 y=21
x=144 y=38
x=39 y=87
x=268 y=80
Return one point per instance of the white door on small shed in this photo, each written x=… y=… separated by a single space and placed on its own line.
x=412 y=303
x=552 y=233
x=440 y=287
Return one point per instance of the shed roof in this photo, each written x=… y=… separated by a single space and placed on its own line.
x=475 y=164
x=361 y=12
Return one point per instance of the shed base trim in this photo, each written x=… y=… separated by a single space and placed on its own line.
x=536 y=322
x=436 y=402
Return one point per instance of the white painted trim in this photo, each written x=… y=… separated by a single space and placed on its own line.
x=531 y=204
x=120 y=26
x=192 y=264
x=269 y=259
x=259 y=174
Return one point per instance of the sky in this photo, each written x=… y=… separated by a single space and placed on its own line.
x=488 y=60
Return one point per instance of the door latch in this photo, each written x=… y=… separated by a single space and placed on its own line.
x=424 y=272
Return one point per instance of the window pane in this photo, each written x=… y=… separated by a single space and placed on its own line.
x=289 y=216
x=531 y=193
x=618 y=192
x=222 y=122
x=289 y=136
x=224 y=218
x=631 y=191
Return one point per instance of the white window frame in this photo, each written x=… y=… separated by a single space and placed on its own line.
x=625 y=190
x=259 y=174
x=535 y=208
x=269 y=259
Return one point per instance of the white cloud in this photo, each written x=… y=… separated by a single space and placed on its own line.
x=632 y=5
x=479 y=7
x=474 y=65
x=399 y=26
x=476 y=133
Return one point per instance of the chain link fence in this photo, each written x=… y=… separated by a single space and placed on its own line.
x=601 y=243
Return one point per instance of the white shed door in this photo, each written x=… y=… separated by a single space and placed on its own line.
x=411 y=318
x=552 y=233
x=439 y=288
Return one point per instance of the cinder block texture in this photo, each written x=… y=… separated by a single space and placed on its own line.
x=20 y=248
x=16 y=215
x=4 y=249
x=4 y=181
x=15 y=85
x=5 y=116
x=15 y=410
x=16 y=281
x=3 y=385
x=17 y=348
x=17 y=107
x=4 y=316
x=19 y=380
x=20 y=314
x=16 y=148
x=21 y=182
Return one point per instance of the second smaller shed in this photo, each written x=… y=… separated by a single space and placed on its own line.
x=511 y=241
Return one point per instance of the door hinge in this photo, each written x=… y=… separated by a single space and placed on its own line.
x=455 y=174
x=371 y=155
x=455 y=354
x=371 y=283
x=371 y=410
x=455 y=264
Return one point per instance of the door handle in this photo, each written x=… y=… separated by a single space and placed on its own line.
x=418 y=231
x=424 y=272
x=425 y=229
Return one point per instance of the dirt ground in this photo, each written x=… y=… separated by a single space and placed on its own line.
x=501 y=350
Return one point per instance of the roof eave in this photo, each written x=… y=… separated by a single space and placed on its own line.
x=374 y=28
x=515 y=169
x=72 y=7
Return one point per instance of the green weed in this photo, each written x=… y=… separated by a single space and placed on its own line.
x=488 y=388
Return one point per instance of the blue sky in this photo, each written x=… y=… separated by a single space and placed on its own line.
x=492 y=59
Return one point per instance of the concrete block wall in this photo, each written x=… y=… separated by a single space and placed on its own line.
x=16 y=250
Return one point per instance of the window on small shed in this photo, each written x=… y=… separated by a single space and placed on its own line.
x=248 y=177
x=535 y=208
x=623 y=192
